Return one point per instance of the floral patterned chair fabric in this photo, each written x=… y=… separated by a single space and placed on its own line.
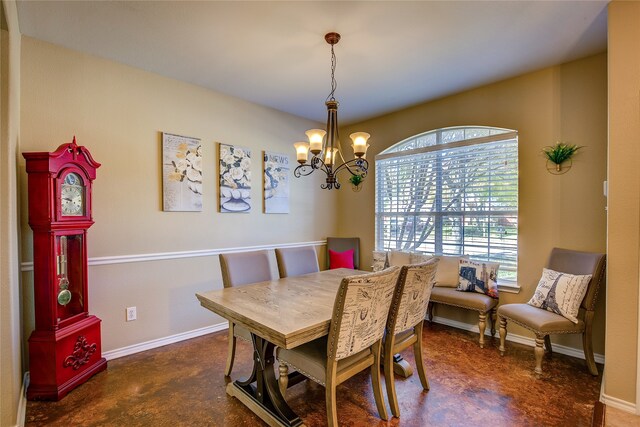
x=354 y=342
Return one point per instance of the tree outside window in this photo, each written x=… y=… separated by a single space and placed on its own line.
x=451 y=191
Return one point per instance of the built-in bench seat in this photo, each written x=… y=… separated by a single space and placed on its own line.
x=467 y=300
x=444 y=292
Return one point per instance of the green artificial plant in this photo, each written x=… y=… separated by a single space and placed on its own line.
x=560 y=153
x=355 y=180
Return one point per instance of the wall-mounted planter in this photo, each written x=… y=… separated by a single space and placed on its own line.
x=356 y=182
x=559 y=168
x=559 y=157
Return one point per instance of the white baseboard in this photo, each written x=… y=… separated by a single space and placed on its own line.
x=22 y=402
x=562 y=349
x=148 y=345
x=614 y=402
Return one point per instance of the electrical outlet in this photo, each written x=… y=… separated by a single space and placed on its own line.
x=131 y=314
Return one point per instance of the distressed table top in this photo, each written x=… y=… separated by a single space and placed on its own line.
x=288 y=312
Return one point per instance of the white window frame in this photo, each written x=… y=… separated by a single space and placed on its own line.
x=406 y=148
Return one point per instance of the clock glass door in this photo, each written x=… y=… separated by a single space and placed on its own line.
x=69 y=286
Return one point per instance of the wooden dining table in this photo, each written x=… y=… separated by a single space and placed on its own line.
x=287 y=313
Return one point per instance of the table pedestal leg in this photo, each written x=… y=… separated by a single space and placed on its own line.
x=260 y=391
x=401 y=367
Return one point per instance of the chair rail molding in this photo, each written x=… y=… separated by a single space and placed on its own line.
x=160 y=256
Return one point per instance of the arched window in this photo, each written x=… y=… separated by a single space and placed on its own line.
x=451 y=191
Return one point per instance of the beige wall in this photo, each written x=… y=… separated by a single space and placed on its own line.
x=10 y=334
x=624 y=198
x=561 y=103
x=118 y=113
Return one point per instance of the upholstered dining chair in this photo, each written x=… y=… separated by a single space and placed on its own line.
x=354 y=342
x=342 y=244
x=297 y=261
x=404 y=325
x=544 y=323
x=243 y=268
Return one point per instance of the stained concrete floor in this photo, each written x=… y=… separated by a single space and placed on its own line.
x=183 y=385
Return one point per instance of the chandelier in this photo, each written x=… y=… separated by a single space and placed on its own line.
x=327 y=152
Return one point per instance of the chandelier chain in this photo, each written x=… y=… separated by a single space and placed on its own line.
x=334 y=84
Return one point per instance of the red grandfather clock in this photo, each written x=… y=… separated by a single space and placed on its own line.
x=64 y=348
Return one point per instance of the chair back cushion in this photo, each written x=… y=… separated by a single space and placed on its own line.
x=380 y=261
x=419 y=258
x=384 y=259
x=479 y=276
x=561 y=293
x=399 y=258
x=360 y=312
x=411 y=297
x=341 y=259
x=448 y=274
x=341 y=244
x=580 y=263
x=242 y=268
x=297 y=261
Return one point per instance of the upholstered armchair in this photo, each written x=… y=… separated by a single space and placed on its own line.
x=243 y=268
x=404 y=325
x=297 y=261
x=354 y=341
x=543 y=322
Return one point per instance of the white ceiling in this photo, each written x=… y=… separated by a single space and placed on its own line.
x=393 y=54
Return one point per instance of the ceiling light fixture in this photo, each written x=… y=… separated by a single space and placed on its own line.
x=327 y=151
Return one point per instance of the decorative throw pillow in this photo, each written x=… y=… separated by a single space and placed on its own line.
x=379 y=261
x=479 y=276
x=560 y=293
x=399 y=258
x=447 y=275
x=340 y=259
x=419 y=258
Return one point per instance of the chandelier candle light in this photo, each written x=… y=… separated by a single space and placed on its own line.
x=326 y=151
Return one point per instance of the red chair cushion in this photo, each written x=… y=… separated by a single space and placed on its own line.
x=341 y=259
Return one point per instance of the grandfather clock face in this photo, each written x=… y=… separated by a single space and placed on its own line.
x=72 y=195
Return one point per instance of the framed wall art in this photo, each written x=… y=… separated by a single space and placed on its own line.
x=235 y=178
x=276 y=182
x=181 y=173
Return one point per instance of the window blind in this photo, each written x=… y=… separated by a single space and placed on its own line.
x=441 y=194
